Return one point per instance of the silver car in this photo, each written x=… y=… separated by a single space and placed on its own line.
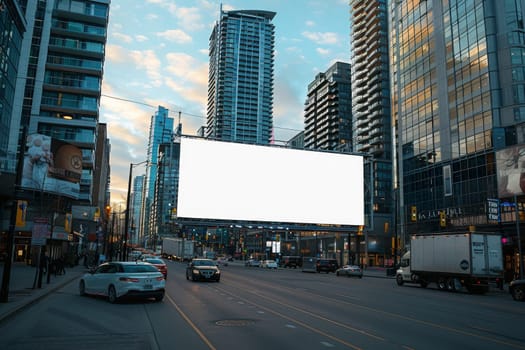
x=116 y=280
x=349 y=271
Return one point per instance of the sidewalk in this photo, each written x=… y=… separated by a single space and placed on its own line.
x=21 y=292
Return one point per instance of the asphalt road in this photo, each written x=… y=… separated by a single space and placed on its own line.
x=254 y=308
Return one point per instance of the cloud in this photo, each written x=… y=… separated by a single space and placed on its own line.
x=115 y=53
x=327 y=38
x=311 y=23
x=187 y=67
x=141 y=38
x=190 y=18
x=324 y=52
x=122 y=37
x=175 y=35
x=148 y=61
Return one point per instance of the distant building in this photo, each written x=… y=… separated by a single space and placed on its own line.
x=164 y=208
x=328 y=109
x=136 y=224
x=161 y=131
x=241 y=73
x=297 y=141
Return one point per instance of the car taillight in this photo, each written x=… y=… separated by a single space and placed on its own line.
x=160 y=278
x=128 y=279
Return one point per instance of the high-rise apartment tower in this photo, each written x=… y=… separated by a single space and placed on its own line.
x=240 y=83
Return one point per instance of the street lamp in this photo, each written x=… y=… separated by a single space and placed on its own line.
x=126 y=217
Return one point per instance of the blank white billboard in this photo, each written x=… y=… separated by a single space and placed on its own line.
x=233 y=181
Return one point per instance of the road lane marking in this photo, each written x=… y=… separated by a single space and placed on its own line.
x=192 y=325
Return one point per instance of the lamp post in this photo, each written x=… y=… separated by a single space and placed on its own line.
x=126 y=216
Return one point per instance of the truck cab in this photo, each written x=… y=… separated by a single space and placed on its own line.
x=403 y=273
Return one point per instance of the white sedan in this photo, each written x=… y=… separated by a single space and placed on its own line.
x=269 y=264
x=125 y=278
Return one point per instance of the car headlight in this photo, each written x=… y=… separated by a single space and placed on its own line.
x=195 y=272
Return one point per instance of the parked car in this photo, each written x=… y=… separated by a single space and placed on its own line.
x=327 y=265
x=269 y=264
x=203 y=270
x=222 y=260
x=252 y=263
x=517 y=290
x=159 y=264
x=291 y=261
x=350 y=271
x=116 y=280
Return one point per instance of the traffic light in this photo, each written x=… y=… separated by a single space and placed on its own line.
x=108 y=210
x=442 y=218
x=413 y=213
x=360 y=230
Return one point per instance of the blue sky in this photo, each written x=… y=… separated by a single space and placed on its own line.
x=157 y=54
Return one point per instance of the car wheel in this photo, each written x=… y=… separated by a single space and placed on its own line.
x=112 y=294
x=399 y=280
x=337 y=273
x=442 y=283
x=159 y=298
x=187 y=277
x=518 y=293
x=82 y=288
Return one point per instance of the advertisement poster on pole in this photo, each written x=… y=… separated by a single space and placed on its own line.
x=40 y=231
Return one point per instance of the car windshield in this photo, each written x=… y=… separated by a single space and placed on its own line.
x=154 y=261
x=203 y=263
x=139 y=268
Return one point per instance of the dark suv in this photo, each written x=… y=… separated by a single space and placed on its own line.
x=327 y=265
x=291 y=261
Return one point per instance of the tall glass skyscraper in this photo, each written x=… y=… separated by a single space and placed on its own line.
x=459 y=103
x=240 y=83
x=371 y=119
x=161 y=131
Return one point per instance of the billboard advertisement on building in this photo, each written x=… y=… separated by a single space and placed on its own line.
x=234 y=181
x=52 y=166
x=510 y=164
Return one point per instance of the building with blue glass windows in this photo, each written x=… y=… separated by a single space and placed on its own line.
x=458 y=84
x=241 y=73
x=160 y=132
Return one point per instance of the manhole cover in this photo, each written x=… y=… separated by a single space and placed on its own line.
x=234 y=323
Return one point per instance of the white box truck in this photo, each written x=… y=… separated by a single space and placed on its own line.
x=453 y=261
x=178 y=249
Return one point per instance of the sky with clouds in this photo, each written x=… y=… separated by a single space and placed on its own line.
x=157 y=55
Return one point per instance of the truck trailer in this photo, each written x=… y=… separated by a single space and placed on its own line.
x=178 y=249
x=453 y=261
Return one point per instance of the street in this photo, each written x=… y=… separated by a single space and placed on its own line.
x=254 y=308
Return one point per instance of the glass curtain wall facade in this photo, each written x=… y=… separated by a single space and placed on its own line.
x=371 y=121
x=328 y=110
x=161 y=131
x=167 y=185
x=458 y=98
x=241 y=73
x=12 y=27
